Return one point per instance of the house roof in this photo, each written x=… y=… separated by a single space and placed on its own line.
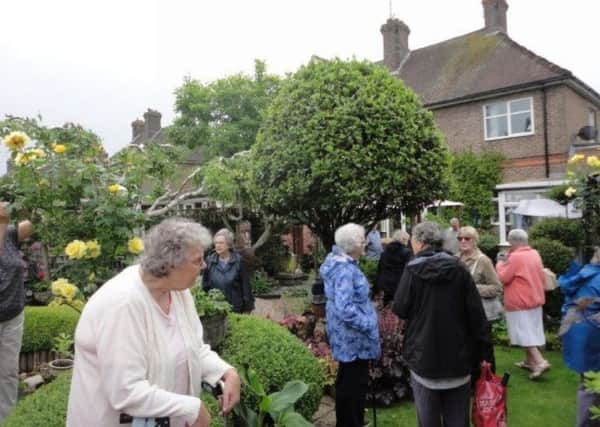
x=477 y=63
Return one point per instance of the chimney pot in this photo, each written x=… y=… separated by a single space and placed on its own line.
x=137 y=128
x=152 y=122
x=494 y=13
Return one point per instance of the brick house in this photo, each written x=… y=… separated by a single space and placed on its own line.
x=488 y=92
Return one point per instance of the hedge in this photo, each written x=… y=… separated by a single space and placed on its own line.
x=47 y=406
x=276 y=355
x=569 y=232
x=555 y=255
x=488 y=244
x=43 y=323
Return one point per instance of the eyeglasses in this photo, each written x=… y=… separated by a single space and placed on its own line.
x=465 y=238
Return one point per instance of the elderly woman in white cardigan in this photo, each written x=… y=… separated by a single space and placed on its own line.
x=139 y=353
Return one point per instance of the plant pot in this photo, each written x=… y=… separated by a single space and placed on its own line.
x=59 y=366
x=214 y=328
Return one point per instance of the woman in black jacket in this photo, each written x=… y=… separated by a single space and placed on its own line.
x=446 y=332
x=391 y=265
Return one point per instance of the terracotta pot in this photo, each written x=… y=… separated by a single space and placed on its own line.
x=59 y=366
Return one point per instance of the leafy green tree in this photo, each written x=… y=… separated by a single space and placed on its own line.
x=345 y=141
x=225 y=115
x=472 y=179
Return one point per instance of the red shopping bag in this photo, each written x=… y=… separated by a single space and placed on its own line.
x=489 y=401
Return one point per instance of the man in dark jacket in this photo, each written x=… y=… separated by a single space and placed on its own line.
x=446 y=331
x=391 y=265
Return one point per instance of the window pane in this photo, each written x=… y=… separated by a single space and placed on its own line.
x=520 y=123
x=520 y=105
x=497 y=127
x=495 y=109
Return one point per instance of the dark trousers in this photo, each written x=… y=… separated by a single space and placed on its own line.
x=437 y=408
x=351 y=387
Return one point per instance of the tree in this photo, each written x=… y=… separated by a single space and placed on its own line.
x=225 y=115
x=346 y=142
x=472 y=179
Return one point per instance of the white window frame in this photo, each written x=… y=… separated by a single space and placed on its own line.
x=508 y=115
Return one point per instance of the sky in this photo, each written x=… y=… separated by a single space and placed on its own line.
x=102 y=63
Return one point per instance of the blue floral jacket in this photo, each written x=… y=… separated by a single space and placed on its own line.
x=352 y=326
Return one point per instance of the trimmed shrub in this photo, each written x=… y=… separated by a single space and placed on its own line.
x=555 y=255
x=47 y=406
x=277 y=356
x=567 y=231
x=44 y=323
x=488 y=244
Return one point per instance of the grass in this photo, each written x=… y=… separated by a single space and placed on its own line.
x=548 y=401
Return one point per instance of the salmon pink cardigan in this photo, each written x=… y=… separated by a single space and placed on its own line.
x=522 y=275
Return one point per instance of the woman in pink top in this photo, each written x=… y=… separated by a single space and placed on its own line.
x=522 y=274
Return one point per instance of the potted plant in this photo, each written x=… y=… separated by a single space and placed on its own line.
x=213 y=310
x=63 y=345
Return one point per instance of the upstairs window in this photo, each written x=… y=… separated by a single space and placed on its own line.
x=592 y=117
x=508 y=118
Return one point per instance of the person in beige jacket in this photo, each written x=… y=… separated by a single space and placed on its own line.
x=484 y=275
x=139 y=352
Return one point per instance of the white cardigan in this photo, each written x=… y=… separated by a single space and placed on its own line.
x=122 y=362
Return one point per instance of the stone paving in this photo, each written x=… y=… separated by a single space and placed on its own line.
x=325 y=415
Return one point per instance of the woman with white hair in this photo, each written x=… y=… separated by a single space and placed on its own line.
x=139 y=353
x=522 y=274
x=226 y=271
x=352 y=326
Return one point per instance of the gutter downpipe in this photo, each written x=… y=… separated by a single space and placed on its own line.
x=546 y=148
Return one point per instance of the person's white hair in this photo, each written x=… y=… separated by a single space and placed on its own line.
x=518 y=237
x=428 y=233
x=227 y=235
x=349 y=236
x=400 y=236
x=166 y=245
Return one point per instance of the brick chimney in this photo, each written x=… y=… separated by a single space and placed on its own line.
x=151 y=122
x=395 y=43
x=137 y=128
x=494 y=12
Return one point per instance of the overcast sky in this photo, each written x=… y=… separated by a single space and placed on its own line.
x=102 y=63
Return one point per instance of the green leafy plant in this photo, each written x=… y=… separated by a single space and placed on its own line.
x=592 y=383
x=276 y=408
x=488 y=244
x=210 y=303
x=63 y=345
x=43 y=323
x=261 y=283
x=369 y=269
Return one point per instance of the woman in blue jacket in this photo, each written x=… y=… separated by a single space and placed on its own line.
x=580 y=329
x=352 y=326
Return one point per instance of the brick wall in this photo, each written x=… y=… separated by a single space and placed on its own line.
x=567 y=112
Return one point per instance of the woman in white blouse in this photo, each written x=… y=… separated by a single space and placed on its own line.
x=139 y=353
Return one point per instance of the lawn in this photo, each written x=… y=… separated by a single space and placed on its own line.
x=549 y=401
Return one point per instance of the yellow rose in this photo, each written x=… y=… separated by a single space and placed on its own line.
x=21 y=159
x=135 y=245
x=69 y=291
x=57 y=286
x=570 y=192
x=76 y=249
x=44 y=182
x=37 y=152
x=576 y=158
x=59 y=148
x=116 y=188
x=16 y=140
x=593 y=161
x=92 y=249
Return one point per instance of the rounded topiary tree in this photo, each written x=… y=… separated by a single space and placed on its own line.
x=554 y=254
x=276 y=355
x=567 y=231
x=345 y=141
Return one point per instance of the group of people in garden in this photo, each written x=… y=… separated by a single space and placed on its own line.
x=447 y=294
x=140 y=358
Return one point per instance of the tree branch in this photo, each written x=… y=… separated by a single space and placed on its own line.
x=268 y=222
x=153 y=211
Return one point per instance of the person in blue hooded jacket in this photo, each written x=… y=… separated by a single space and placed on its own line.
x=352 y=326
x=580 y=329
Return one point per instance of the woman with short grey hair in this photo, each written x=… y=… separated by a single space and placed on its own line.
x=139 y=350
x=391 y=265
x=428 y=234
x=522 y=274
x=352 y=326
x=226 y=271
